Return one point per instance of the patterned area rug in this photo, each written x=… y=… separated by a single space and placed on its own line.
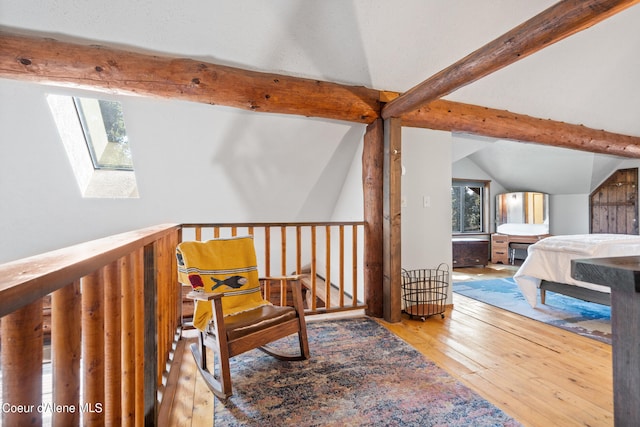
x=581 y=317
x=359 y=374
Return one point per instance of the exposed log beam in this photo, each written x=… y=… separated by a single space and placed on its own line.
x=561 y=20
x=459 y=117
x=48 y=61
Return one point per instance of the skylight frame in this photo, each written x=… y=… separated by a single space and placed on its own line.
x=90 y=136
x=93 y=183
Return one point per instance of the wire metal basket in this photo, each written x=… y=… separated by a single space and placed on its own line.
x=424 y=291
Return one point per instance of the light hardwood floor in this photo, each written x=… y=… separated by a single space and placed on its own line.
x=539 y=374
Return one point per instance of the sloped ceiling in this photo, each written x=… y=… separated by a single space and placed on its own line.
x=532 y=167
x=589 y=78
x=584 y=79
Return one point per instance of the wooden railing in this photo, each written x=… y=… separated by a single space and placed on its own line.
x=115 y=313
x=328 y=256
x=109 y=310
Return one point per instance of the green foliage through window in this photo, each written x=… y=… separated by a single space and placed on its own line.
x=113 y=121
x=467 y=207
x=105 y=133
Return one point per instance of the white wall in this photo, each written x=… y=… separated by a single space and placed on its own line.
x=569 y=214
x=426 y=231
x=193 y=163
x=627 y=164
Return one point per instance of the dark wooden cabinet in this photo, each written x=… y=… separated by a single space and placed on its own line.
x=469 y=252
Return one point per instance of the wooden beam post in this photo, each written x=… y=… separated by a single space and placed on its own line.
x=392 y=260
x=561 y=20
x=372 y=181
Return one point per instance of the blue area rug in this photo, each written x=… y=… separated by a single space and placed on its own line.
x=359 y=374
x=584 y=318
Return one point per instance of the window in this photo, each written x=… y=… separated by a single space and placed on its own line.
x=105 y=133
x=468 y=206
x=94 y=137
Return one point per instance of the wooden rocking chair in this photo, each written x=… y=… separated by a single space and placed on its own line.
x=231 y=313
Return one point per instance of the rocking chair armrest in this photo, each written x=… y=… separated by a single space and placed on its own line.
x=204 y=296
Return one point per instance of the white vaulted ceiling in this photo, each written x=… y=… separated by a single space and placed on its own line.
x=534 y=167
x=589 y=78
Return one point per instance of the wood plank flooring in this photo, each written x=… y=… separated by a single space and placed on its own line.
x=539 y=374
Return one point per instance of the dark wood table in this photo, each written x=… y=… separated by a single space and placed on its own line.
x=622 y=275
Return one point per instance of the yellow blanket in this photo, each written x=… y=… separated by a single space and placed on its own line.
x=221 y=265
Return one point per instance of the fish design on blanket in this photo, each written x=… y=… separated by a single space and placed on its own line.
x=233 y=282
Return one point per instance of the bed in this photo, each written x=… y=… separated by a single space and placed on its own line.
x=548 y=265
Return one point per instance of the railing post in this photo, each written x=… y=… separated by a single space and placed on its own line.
x=314 y=271
x=283 y=250
x=327 y=267
x=341 y=266
x=112 y=346
x=267 y=251
x=127 y=280
x=66 y=349
x=93 y=367
x=139 y=340
x=354 y=265
x=150 y=347
x=22 y=340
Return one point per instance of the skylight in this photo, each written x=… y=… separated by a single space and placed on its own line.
x=94 y=136
x=105 y=133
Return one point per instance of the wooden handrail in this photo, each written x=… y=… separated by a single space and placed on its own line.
x=266 y=224
x=26 y=280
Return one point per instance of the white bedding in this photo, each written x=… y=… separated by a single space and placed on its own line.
x=550 y=259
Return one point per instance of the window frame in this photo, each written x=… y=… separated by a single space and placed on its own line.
x=92 y=182
x=484 y=208
x=89 y=134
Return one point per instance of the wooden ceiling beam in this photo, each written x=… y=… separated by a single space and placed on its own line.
x=48 y=61
x=561 y=20
x=472 y=119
